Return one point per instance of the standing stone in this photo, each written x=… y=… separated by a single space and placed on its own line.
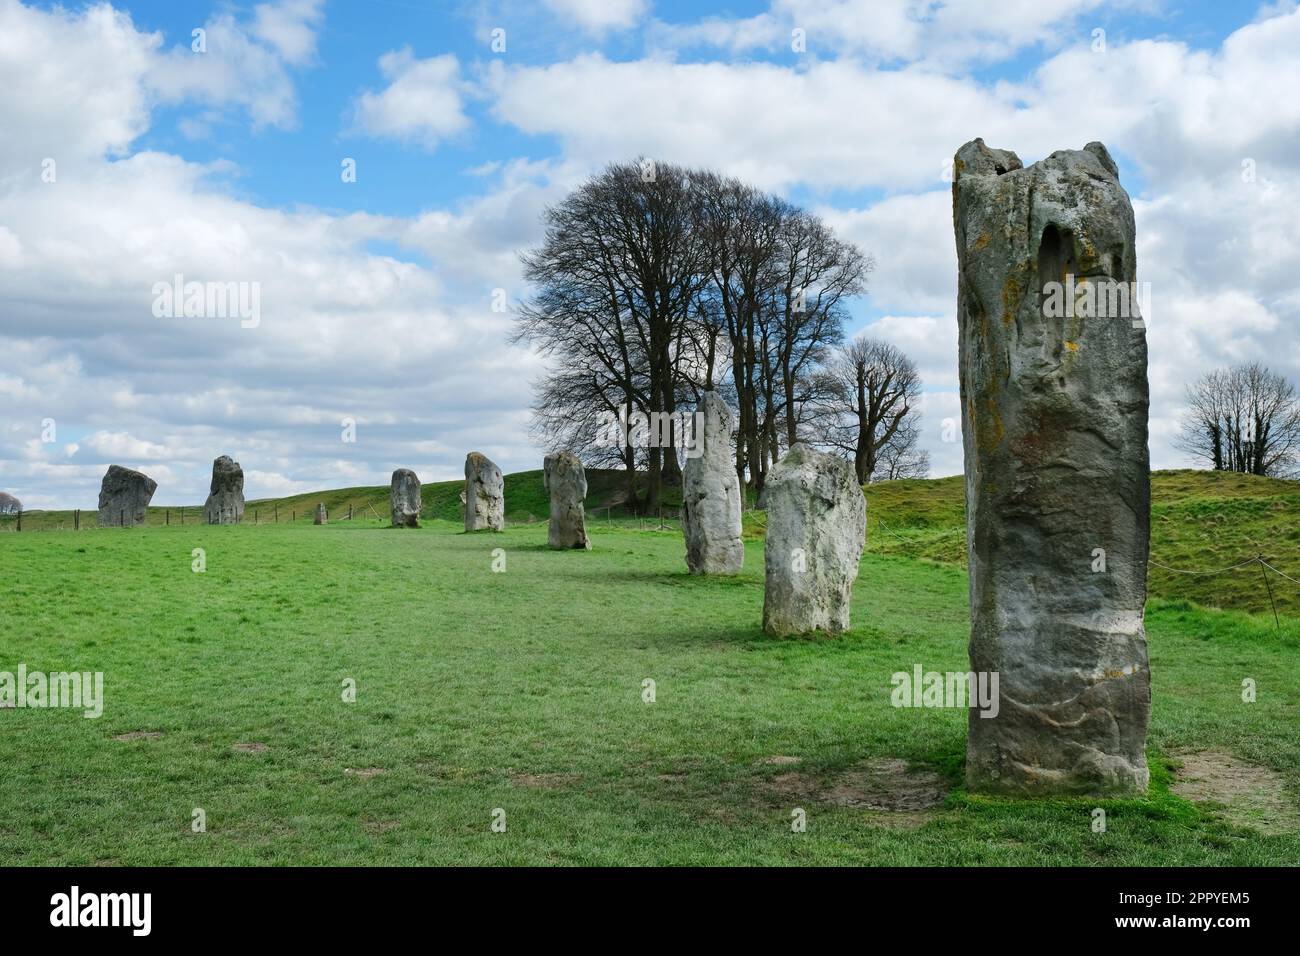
x=225 y=504
x=404 y=499
x=816 y=530
x=1054 y=424
x=711 y=494
x=124 y=497
x=321 y=517
x=563 y=477
x=485 y=494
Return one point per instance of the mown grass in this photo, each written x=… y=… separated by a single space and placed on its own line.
x=1200 y=521
x=522 y=690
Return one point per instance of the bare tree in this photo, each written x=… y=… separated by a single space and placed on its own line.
x=778 y=277
x=9 y=505
x=1244 y=419
x=870 y=396
x=655 y=283
x=620 y=273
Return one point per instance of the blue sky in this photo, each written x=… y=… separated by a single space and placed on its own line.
x=226 y=165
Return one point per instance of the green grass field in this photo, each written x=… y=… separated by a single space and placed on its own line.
x=522 y=691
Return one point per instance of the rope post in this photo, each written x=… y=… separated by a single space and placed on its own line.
x=1263 y=573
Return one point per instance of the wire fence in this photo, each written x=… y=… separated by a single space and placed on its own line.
x=665 y=519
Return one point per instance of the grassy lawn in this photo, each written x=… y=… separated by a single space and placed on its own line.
x=522 y=690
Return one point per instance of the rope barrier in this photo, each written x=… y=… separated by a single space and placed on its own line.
x=1165 y=567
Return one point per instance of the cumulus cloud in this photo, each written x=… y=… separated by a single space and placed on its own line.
x=599 y=16
x=421 y=103
x=71 y=85
x=241 y=64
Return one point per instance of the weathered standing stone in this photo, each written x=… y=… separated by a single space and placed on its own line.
x=1054 y=423
x=404 y=499
x=225 y=504
x=816 y=530
x=485 y=495
x=321 y=517
x=563 y=477
x=711 y=494
x=124 y=496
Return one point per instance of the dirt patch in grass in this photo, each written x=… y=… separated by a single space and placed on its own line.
x=251 y=748
x=780 y=760
x=542 y=781
x=1244 y=794
x=140 y=735
x=364 y=773
x=884 y=784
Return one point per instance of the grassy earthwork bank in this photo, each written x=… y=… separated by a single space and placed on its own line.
x=523 y=690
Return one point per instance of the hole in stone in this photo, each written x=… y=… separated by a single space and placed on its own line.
x=1055 y=257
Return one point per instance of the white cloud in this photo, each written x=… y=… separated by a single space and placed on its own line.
x=244 y=64
x=422 y=101
x=943 y=34
x=72 y=85
x=125 y=446
x=290 y=27
x=599 y=16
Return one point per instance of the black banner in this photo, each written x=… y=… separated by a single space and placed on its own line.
x=212 y=905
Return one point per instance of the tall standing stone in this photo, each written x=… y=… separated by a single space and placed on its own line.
x=124 y=497
x=1054 y=424
x=711 y=503
x=225 y=504
x=563 y=477
x=320 y=517
x=404 y=499
x=485 y=494
x=816 y=530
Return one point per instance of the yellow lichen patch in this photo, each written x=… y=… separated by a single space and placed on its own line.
x=1010 y=300
x=981 y=242
x=989 y=428
x=1089 y=251
x=1072 y=346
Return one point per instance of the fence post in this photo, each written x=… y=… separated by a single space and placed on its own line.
x=293 y=515
x=254 y=516
x=76 y=519
x=169 y=516
x=276 y=509
x=20 y=519
x=349 y=512
x=121 y=517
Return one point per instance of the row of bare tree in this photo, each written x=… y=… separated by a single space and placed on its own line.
x=655 y=283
